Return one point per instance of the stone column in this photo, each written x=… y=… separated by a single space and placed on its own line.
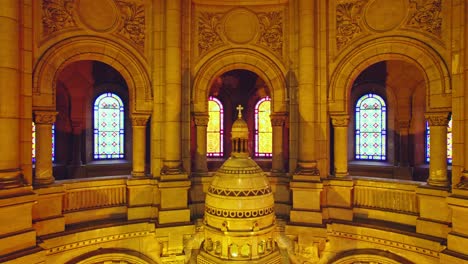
x=277 y=123
x=307 y=160
x=10 y=173
x=201 y=123
x=44 y=171
x=438 y=163
x=139 y=144
x=340 y=146
x=75 y=167
x=404 y=134
x=172 y=163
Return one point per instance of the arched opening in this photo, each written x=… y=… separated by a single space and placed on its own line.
x=245 y=88
x=388 y=140
x=93 y=131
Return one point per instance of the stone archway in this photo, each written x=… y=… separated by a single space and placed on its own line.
x=362 y=256
x=75 y=49
x=272 y=72
x=428 y=61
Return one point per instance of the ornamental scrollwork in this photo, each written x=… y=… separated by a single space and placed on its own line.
x=348 y=16
x=133 y=22
x=437 y=119
x=45 y=117
x=57 y=15
x=340 y=120
x=271 y=31
x=208 y=31
x=426 y=15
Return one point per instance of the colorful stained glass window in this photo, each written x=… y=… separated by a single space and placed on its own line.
x=449 y=142
x=263 y=130
x=108 y=127
x=215 y=131
x=371 y=128
x=34 y=142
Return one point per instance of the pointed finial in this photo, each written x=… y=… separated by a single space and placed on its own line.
x=239 y=108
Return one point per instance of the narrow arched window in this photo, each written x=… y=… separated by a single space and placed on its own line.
x=33 y=139
x=371 y=128
x=108 y=127
x=215 y=131
x=263 y=130
x=449 y=142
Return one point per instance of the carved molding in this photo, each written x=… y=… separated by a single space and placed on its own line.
x=385 y=242
x=45 y=117
x=271 y=31
x=238 y=213
x=278 y=119
x=239 y=193
x=57 y=15
x=348 y=18
x=208 y=31
x=437 y=119
x=340 y=120
x=201 y=119
x=133 y=22
x=426 y=15
x=139 y=120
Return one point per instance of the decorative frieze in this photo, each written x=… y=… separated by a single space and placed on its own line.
x=239 y=214
x=348 y=17
x=239 y=193
x=426 y=15
x=57 y=15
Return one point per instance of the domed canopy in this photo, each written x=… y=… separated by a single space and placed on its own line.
x=239 y=127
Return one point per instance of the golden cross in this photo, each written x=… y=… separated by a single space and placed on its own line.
x=239 y=108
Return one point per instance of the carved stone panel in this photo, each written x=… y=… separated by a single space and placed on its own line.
x=426 y=15
x=240 y=26
x=348 y=21
x=57 y=15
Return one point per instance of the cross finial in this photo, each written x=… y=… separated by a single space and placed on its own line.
x=239 y=108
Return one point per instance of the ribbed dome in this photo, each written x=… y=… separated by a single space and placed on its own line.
x=240 y=129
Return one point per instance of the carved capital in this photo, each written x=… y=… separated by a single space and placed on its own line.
x=278 y=119
x=45 y=117
x=201 y=119
x=340 y=120
x=139 y=119
x=437 y=119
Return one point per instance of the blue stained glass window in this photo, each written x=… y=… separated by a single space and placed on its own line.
x=263 y=129
x=34 y=142
x=215 y=130
x=371 y=128
x=108 y=127
x=449 y=142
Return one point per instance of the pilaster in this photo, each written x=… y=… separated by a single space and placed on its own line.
x=340 y=146
x=139 y=144
x=434 y=213
x=438 y=122
x=44 y=171
x=200 y=166
x=277 y=123
x=47 y=212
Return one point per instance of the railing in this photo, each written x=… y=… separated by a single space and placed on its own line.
x=388 y=195
x=83 y=195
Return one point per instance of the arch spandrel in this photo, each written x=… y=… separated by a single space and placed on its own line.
x=65 y=52
x=266 y=67
x=431 y=65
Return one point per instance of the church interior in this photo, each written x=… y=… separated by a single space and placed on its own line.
x=234 y=131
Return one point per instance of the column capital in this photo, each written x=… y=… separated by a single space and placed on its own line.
x=45 y=117
x=139 y=119
x=278 y=118
x=201 y=118
x=437 y=118
x=340 y=120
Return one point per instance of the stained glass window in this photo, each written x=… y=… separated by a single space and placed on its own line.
x=371 y=128
x=263 y=130
x=215 y=130
x=108 y=127
x=34 y=142
x=449 y=142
